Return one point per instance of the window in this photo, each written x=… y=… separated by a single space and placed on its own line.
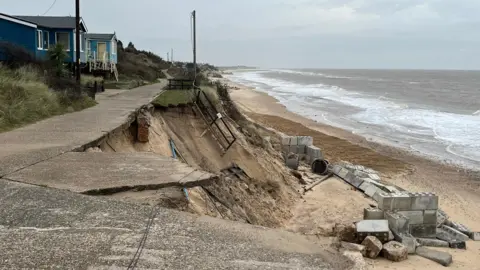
x=39 y=39
x=46 y=40
x=63 y=38
x=113 y=46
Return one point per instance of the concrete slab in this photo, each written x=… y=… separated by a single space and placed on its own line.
x=440 y=257
x=373 y=213
x=395 y=202
x=56 y=135
x=397 y=222
x=423 y=230
x=414 y=217
x=86 y=232
x=377 y=228
x=450 y=234
x=89 y=173
x=424 y=201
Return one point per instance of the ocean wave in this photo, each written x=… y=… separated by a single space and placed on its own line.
x=459 y=130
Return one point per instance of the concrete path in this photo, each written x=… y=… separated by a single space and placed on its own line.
x=94 y=173
x=42 y=228
x=54 y=136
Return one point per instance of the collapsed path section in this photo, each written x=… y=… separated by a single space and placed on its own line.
x=107 y=173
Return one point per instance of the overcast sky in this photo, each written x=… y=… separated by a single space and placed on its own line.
x=432 y=34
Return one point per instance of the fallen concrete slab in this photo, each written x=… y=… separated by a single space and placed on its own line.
x=105 y=173
x=88 y=232
x=440 y=257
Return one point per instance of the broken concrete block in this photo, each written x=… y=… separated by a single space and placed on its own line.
x=364 y=186
x=450 y=234
x=423 y=230
x=407 y=240
x=459 y=227
x=373 y=246
x=372 y=214
x=355 y=259
x=336 y=169
x=293 y=149
x=353 y=247
x=414 y=217
x=397 y=222
x=440 y=257
x=432 y=242
x=395 y=251
x=423 y=201
x=305 y=140
x=395 y=202
x=441 y=217
x=377 y=228
x=430 y=217
x=475 y=236
x=458 y=244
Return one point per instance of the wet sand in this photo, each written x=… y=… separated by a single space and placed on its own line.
x=458 y=191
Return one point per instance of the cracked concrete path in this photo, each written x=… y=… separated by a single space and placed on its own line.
x=51 y=137
x=105 y=173
x=42 y=228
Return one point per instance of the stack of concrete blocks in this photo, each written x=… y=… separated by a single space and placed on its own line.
x=302 y=146
x=411 y=213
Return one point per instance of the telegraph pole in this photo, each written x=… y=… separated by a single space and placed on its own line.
x=194 y=45
x=77 y=41
x=168 y=57
x=171 y=56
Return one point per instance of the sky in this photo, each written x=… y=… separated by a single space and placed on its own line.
x=393 y=34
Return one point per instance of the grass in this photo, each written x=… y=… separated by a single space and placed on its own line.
x=25 y=98
x=89 y=79
x=173 y=98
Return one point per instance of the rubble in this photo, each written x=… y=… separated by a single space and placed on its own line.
x=345 y=232
x=394 y=251
x=354 y=247
x=450 y=234
x=440 y=257
x=373 y=246
x=433 y=242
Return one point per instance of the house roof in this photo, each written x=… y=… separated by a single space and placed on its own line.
x=16 y=20
x=52 y=21
x=99 y=36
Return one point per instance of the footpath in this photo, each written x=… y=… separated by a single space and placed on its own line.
x=47 y=221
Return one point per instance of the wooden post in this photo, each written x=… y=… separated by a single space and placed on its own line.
x=77 y=41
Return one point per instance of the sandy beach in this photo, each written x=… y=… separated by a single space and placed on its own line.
x=457 y=189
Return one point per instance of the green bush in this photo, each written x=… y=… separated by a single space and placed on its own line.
x=25 y=98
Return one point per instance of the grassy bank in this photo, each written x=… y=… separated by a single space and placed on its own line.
x=25 y=98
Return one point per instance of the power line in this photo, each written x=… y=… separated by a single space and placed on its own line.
x=51 y=6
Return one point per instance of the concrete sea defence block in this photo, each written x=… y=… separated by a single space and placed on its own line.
x=292 y=161
x=285 y=140
x=305 y=140
x=430 y=217
x=397 y=222
x=313 y=152
x=373 y=214
x=423 y=230
x=377 y=228
x=395 y=251
x=371 y=191
x=407 y=240
x=353 y=180
x=432 y=242
x=343 y=173
x=294 y=140
x=414 y=217
x=441 y=217
x=423 y=201
x=450 y=234
x=459 y=227
x=440 y=257
x=394 y=202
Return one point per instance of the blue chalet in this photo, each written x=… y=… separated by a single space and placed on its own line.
x=102 y=53
x=38 y=33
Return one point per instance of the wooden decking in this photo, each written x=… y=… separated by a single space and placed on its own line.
x=181 y=84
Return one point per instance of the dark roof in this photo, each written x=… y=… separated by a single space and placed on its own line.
x=51 y=21
x=99 y=36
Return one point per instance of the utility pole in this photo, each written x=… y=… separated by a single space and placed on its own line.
x=171 y=56
x=168 y=57
x=194 y=17
x=77 y=41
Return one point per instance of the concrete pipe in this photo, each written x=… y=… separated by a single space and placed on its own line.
x=320 y=166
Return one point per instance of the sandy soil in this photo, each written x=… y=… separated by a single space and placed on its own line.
x=457 y=190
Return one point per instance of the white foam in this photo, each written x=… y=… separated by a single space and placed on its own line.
x=459 y=133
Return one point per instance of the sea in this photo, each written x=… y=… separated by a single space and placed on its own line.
x=431 y=113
